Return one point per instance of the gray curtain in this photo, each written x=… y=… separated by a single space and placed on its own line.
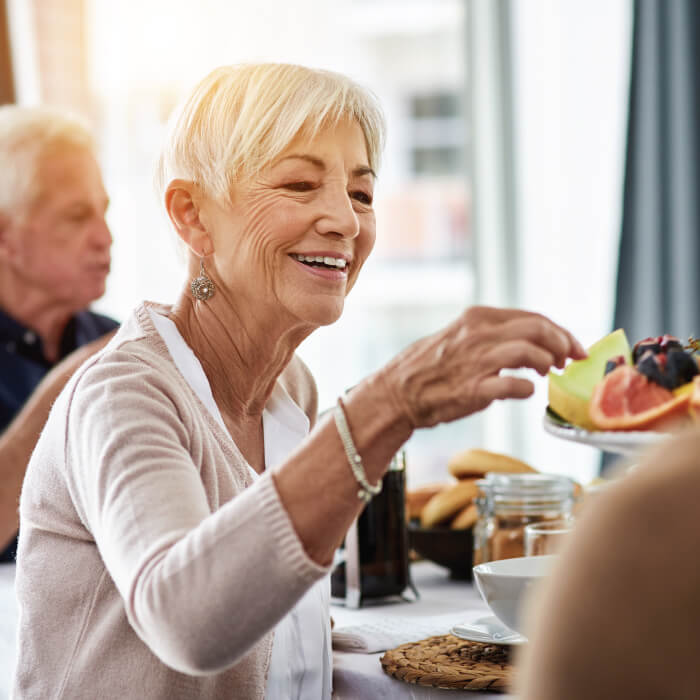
x=658 y=287
x=658 y=283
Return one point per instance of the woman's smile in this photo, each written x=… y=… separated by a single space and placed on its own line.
x=326 y=265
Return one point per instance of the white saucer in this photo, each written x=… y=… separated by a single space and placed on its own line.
x=488 y=630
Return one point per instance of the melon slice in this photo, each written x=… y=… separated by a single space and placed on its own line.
x=571 y=391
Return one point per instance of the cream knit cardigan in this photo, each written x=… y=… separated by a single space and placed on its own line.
x=149 y=564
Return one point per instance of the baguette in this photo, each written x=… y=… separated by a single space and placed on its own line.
x=448 y=502
x=418 y=497
x=476 y=462
x=465 y=518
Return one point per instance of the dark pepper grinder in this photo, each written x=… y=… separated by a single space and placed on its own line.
x=373 y=561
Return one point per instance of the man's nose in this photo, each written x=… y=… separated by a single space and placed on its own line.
x=101 y=235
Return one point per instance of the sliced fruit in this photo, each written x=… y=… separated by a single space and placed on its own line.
x=669 y=369
x=570 y=391
x=693 y=390
x=686 y=388
x=614 y=362
x=661 y=343
x=626 y=400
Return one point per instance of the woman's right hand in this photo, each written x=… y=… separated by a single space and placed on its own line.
x=440 y=378
x=457 y=371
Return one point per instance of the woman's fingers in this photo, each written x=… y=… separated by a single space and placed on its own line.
x=541 y=332
x=506 y=387
x=456 y=371
x=477 y=315
x=514 y=354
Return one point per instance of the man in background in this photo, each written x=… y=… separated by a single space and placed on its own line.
x=54 y=260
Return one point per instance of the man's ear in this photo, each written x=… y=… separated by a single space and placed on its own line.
x=6 y=247
x=182 y=202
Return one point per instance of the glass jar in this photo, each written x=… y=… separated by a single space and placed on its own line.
x=508 y=502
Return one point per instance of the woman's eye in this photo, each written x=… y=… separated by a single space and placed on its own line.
x=303 y=186
x=361 y=196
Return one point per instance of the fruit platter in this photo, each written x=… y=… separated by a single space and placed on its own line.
x=623 y=399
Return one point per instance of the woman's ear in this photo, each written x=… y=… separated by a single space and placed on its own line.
x=183 y=203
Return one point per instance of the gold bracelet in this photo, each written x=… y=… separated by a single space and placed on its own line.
x=367 y=491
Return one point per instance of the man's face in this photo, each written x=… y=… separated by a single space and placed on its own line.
x=60 y=243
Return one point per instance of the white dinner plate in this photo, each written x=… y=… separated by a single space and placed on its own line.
x=488 y=630
x=620 y=442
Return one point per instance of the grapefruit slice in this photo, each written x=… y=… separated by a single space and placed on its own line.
x=626 y=400
x=570 y=391
x=693 y=389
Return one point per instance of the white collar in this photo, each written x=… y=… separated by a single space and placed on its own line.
x=284 y=423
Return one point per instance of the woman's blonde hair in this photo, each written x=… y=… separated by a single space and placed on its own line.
x=27 y=136
x=240 y=118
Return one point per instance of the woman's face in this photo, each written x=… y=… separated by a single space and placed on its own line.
x=296 y=236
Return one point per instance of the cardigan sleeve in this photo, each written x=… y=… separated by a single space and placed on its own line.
x=199 y=587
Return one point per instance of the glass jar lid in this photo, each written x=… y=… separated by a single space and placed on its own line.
x=516 y=490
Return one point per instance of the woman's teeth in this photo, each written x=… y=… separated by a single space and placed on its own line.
x=326 y=261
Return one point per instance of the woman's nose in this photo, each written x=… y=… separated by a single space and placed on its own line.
x=338 y=216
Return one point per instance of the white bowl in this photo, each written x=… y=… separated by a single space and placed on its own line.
x=503 y=584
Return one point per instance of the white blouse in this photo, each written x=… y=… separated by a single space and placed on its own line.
x=301 y=661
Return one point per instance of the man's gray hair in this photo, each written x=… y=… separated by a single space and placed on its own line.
x=27 y=136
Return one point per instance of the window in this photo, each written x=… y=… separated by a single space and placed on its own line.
x=437 y=134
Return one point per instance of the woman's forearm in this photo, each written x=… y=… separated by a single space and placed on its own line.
x=317 y=486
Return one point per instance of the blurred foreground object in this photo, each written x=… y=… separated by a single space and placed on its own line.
x=623 y=597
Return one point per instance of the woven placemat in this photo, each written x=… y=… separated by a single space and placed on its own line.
x=450 y=662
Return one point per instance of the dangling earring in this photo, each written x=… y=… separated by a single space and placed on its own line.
x=202 y=287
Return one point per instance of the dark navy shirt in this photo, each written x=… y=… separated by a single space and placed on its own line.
x=23 y=365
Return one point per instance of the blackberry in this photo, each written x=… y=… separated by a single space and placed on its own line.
x=653 y=366
x=681 y=367
x=613 y=363
x=658 y=344
x=669 y=369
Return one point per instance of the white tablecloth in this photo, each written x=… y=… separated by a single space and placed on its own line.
x=358 y=676
x=355 y=676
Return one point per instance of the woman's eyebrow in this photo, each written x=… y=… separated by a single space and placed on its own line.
x=317 y=162
x=364 y=170
x=359 y=171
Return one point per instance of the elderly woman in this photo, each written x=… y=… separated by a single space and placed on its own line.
x=180 y=515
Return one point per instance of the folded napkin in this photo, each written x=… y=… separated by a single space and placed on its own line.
x=388 y=632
